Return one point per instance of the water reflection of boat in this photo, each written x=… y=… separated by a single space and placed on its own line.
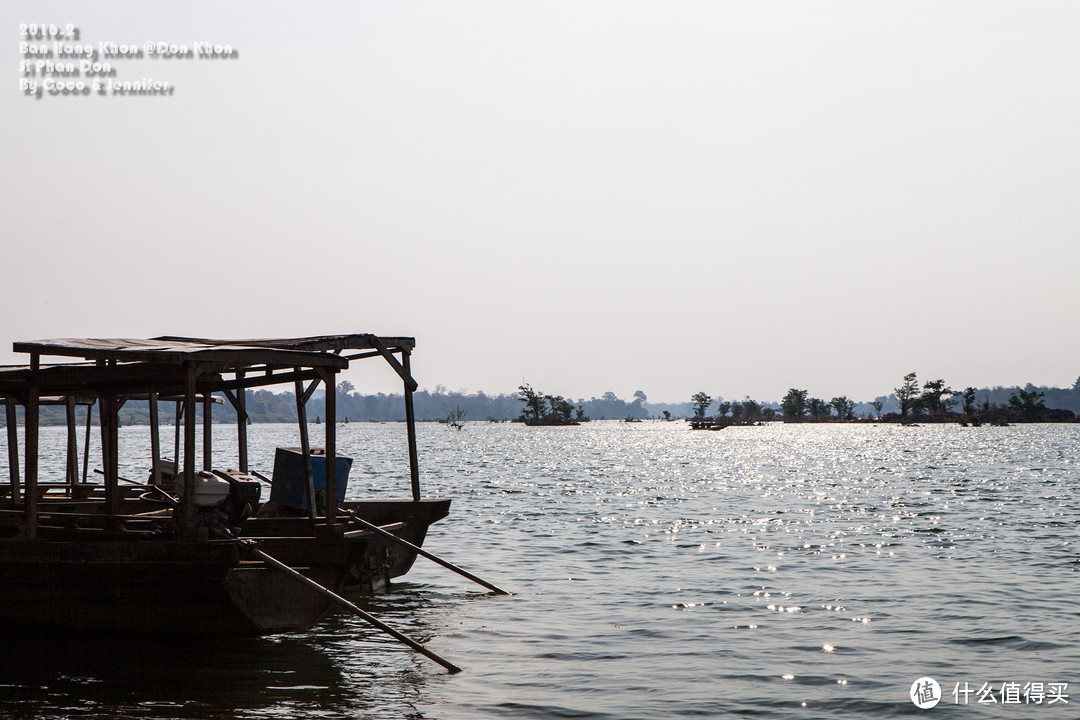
x=222 y=677
x=187 y=552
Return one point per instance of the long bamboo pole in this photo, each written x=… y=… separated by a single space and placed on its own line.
x=420 y=551
x=343 y=603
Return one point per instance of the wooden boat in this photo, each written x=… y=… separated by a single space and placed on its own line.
x=191 y=551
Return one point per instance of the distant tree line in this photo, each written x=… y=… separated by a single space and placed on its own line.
x=268 y=406
x=736 y=412
x=931 y=401
x=910 y=400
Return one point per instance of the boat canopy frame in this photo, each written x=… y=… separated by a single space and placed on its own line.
x=188 y=371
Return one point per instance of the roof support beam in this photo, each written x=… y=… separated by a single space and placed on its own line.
x=410 y=384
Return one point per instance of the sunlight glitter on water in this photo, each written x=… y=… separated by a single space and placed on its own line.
x=661 y=572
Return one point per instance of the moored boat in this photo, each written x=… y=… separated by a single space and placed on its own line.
x=194 y=550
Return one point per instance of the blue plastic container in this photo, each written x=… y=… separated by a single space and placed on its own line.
x=287 y=483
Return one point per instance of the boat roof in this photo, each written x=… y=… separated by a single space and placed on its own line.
x=157 y=364
x=179 y=351
x=316 y=343
x=87 y=380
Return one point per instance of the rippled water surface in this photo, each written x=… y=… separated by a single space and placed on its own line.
x=785 y=571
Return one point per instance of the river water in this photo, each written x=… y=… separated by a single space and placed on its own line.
x=784 y=571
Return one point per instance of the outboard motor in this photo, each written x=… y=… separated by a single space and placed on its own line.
x=231 y=496
x=244 y=493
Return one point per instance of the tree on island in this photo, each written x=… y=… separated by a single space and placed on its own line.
x=543 y=409
x=878 y=405
x=967 y=397
x=818 y=408
x=845 y=409
x=751 y=410
x=936 y=397
x=534 y=402
x=794 y=404
x=907 y=393
x=702 y=401
x=737 y=412
x=1028 y=402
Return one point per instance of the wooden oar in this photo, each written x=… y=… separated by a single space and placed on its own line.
x=164 y=494
x=342 y=602
x=401 y=541
x=420 y=551
x=262 y=477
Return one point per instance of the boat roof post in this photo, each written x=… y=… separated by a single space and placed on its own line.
x=305 y=446
x=110 y=441
x=31 y=461
x=207 y=431
x=72 y=444
x=86 y=445
x=188 y=500
x=155 y=440
x=178 y=415
x=329 y=376
x=241 y=423
x=410 y=423
x=13 y=447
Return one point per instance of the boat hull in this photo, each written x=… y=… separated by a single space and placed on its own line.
x=385 y=559
x=161 y=587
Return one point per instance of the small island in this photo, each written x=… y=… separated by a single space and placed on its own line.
x=541 y=409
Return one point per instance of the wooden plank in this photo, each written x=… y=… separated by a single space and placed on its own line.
x=311 y=390
x=269 y=378
x=401 y=370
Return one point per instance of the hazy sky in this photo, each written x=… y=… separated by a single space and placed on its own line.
x=736 y=197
